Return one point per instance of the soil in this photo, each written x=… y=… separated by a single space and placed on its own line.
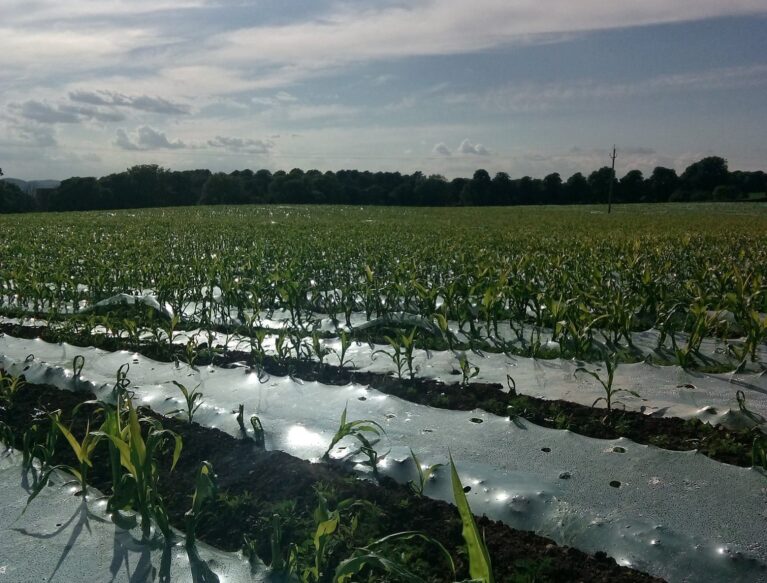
x=673 y=433
x=254 y=485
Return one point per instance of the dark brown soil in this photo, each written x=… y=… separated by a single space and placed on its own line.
x=667 y=432
x=255 y=484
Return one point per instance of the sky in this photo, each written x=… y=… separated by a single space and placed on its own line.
x=528 y=87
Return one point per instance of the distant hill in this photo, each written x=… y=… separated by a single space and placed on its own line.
x=29 y=186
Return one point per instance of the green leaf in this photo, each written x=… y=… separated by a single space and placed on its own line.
x=479 y=558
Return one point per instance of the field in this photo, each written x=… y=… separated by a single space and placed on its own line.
x=302 y=389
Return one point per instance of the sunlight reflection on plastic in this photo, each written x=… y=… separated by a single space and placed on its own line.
x=299 y=436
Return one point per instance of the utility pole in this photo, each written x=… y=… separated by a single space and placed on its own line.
x=612 y=182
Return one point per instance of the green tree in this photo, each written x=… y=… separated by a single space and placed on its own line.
x=222 y=188
x=599 y=181
x=577 y=189
x=13 y=199
x=552 y=188
x=633 y=187
x=705 y=175
x=78 y=194
x=662 y=184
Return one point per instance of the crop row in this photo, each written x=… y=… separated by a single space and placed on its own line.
x=131 y=456
x=231 y=268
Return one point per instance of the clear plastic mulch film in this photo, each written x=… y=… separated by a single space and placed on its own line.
x=677 y=515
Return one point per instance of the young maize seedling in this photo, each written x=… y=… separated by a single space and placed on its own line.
x=757 y=419
x=327 y=524
x=134 y=333
x=190 y=353
x=377 y=555
x=250 y=550
x=138 y=457
x=425 y=473
x=300 y=348
x=282 y=352
x=169 y=333
x=356 y=430
x=283 y=561
x=257 y=348
x=480 y=568
x=345 y=344
x=241 y=419
x=259 y=434
x=402 y=353
x=468 y=371
x=444 y=330
x=205 y=489
x=193 y=400
x=7 y=438
x=759 y=451
x=33 y=446
x=512 y=385
x=611 y=363
x=9 y=386
x=78 y=362
x=320 y=350
x=83 y=451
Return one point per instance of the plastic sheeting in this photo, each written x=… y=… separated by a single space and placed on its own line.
x=63 y=538
x=681 y=516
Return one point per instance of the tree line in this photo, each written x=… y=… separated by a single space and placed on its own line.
x=150 y=185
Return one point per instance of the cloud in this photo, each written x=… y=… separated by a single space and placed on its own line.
x=43 y=10
x=284 y=97
x=123 y=141
x=42 y=136
x=93 y=113
x=348 y=33
x=467 y=147
x=140 y=102
x=46 y=113
x=281 y=97
x=441 y=149
x=243 y=145
x=537 y=97
x=146 y=138
x=381 y=80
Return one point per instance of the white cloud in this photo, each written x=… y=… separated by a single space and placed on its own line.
x=285 y=97
x=29 y=12
x=438 y=27
x=533 y=97
x=47 y=113
x=243 y=145
x=37 y=135
x=43 y=112
x=40 y=53
x=123 y=141
x=441 y=149
x=466 y=147
x=146 y=138
x=140 y=102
